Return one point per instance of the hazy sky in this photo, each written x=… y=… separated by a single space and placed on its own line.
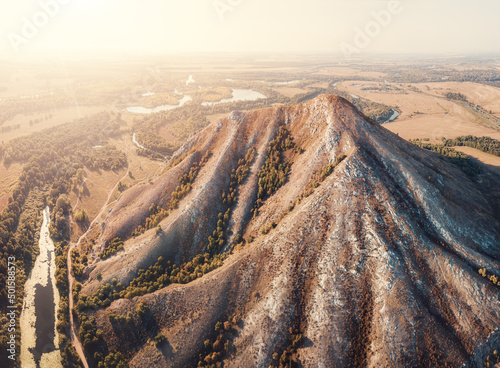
x=280 y=26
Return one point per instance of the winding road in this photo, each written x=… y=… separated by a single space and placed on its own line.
x=75 y=340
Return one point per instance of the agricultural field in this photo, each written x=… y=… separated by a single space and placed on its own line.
x=177 y=97
x=113 y=131
x=427 y=113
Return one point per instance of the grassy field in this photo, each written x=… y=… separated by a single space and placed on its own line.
x=491 y=160
x=486 y=96
x=426 y=113
x=98 y=184
x=349 y=72
x=8 y=179
x=216 y=117
x=438 y=126
x=56 y=117
x=290 y=91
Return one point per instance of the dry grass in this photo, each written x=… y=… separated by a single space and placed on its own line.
x=345 y=71
x=487 y=97
x=217 y=117
x=328 y=267
x=426 y=114
x=213 y=94
x=8 y=179
x=437 y=126
x=486 y=158
x=158 y=99
x=60 y=116
x=319 y=85
x=166 y=133
x=141 y=167
x=99 y=183
x=290 y=91
x=410 y=103
x=94 y=194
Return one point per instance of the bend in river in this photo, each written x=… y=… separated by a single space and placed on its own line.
x=134 y=140
x=146 y=110
x=394 y=115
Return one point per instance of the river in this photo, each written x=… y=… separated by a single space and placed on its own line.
x=39 y=341
x=147 y=110
x=394 y=116
x=137 y=143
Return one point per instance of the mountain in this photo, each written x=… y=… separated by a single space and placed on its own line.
x=344 y=246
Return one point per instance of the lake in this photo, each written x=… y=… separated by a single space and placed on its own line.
x=238 y=95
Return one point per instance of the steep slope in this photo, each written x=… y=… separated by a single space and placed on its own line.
x=376 y=267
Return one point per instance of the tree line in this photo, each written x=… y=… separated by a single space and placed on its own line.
x=274 y=173
x=31 y=105
x=53 y=161
x=463 y=161
x=485 y=144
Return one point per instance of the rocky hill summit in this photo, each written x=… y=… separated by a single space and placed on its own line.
x=303 y=236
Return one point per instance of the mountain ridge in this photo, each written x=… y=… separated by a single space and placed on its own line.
x=376 y=266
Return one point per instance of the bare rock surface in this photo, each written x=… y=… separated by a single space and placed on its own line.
x=378 y=267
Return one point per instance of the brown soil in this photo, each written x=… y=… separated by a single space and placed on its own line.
x=377 y=267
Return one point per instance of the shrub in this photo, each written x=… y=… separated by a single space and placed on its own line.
x=159 y=339
x=141 y=310
x=275 y=170
x=129 y=319
x=81 y=216
x=113 y=247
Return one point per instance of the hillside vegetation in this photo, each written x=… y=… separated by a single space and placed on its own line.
x=309 y=229
x=53 y=166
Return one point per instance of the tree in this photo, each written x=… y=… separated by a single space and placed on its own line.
x=159 y=339
x=63 y=204
x=81 y=216
x=141 y=310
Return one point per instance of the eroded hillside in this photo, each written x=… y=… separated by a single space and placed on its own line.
x=313 y=235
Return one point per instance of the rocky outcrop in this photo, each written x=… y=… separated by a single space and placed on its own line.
x=377 y=267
